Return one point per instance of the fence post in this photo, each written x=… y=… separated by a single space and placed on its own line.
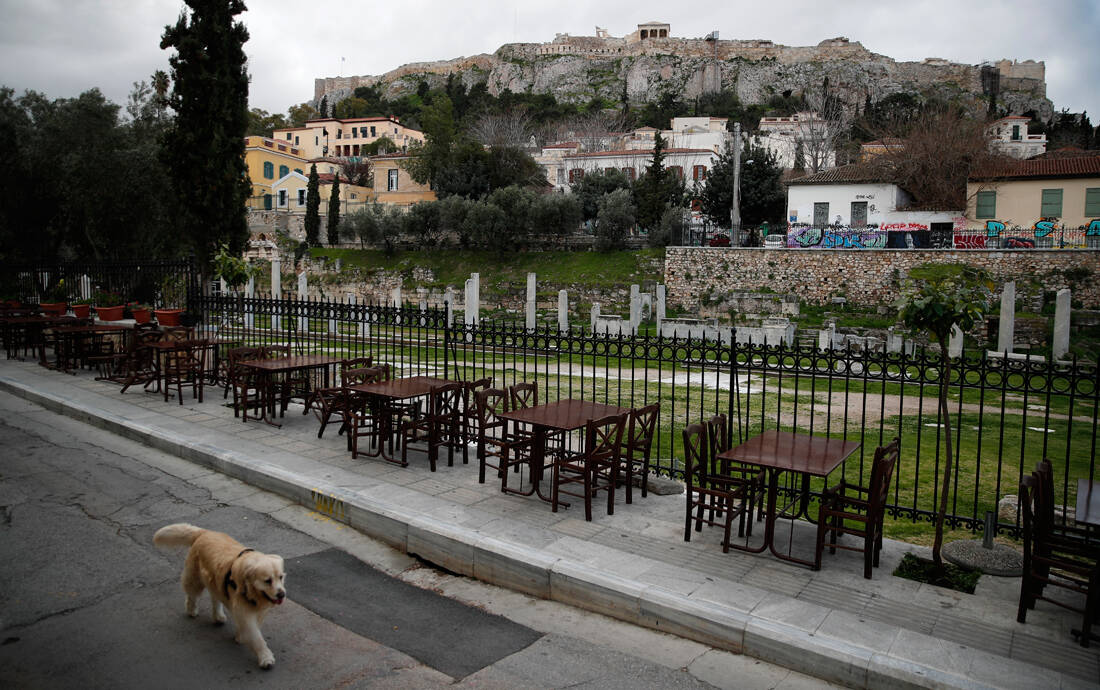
x=446 y=338
x=249 y=310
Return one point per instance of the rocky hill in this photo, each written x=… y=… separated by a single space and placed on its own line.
x=577 y=68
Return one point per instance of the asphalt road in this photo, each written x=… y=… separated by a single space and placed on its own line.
x=87 y=601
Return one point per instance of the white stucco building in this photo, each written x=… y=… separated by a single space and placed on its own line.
x=804 y=135
x=854 y=206
x=1009 y=136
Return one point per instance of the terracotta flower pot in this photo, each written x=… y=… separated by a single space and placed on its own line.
x=168 y=317
x=54 y=308
x=110 y=313
x=141 y=315
x=81 y=311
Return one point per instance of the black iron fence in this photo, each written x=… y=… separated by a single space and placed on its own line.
x=159 y=284
x=1006 y=413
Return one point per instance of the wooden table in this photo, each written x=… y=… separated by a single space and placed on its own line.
x=1088 y=502
x=564 y=416
x=783 y=451
x=78 y=332
x=392 y=391
x=26 y=331
x=267 y=369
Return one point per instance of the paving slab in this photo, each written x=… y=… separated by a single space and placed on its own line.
x=633 y=565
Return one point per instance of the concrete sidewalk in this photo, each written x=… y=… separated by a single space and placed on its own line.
x=634 y=565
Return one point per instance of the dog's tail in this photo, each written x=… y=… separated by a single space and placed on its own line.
x=179 y=534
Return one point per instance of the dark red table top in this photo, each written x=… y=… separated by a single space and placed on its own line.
x=400 y=389
x=563 y=415
x=290 y=363
x=784 y=450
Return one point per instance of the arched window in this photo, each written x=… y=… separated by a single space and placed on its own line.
x=269 y=171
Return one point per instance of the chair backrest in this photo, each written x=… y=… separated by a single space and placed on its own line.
x=643 y=423
x=353 y=377
x=446 y=400
x=470 y=389
x=187 y=355
x=717 y=439
x=696 y=454
x=273 y=351
x=882 y=470
x=240 y=354
x=603 y=438
x=178 y=333
x=490 y=404
x=355 y=363
x=1029 y=490
x=523 y=395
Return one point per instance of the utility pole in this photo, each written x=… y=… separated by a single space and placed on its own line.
x=735 y=206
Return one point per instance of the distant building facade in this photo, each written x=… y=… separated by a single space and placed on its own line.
x=346 y=138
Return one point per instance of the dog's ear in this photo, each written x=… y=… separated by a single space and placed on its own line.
x=244 y=573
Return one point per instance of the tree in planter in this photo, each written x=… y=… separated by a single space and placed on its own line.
x=333 y=220
x=933 y=308
x=313 y=208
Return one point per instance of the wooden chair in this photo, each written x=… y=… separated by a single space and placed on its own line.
x=718 y=436
x=469 y=414
x=496 y=447
x=594 y=470
x=185 y=365
x=328 y=402
x=440 y=426
x=364 y=417
x=244 y=382
x=710 y=496
x=526 y=394
x=847 y=503
x=137 y=365
x=637 y=447
x=1055 y=559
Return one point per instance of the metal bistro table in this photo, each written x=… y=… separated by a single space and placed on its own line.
x=784 y=451
x=267 y=369
x=564 y=415
x=72 y=340
x=392 y=391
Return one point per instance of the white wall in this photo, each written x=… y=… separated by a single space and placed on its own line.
x=882 y=200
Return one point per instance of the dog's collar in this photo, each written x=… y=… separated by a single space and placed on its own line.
x=229 y=584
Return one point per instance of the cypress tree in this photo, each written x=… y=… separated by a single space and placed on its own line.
x=333 y=220
x=204 y=146
x=313 y=208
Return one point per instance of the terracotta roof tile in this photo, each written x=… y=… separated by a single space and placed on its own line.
x=855 y=173
x=1073 y=166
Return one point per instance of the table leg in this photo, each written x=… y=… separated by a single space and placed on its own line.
x=773 y=491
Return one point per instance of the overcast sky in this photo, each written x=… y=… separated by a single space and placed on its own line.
x=63 y=47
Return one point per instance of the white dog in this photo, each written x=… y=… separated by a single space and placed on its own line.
x=247 y=582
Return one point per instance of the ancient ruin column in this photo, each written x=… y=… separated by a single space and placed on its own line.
x=303 y=292
x=1006 y=329
x=635 y=309
x=660 y=306
x=276 y=292
x=955 y=343
x=595 y=316
x=529 y=321
x=563 y=311
x=1062 y=309
x=250 y=294
x=473 y=299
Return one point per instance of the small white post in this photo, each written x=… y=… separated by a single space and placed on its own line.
x=276 y=292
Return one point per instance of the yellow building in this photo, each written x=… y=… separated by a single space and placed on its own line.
x=269 y=161
x=1052 y=201
x=345 y=138
x=393 y=184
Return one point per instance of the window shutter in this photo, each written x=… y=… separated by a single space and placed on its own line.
x=1051 y=204
x=986 y=206
x=1092 y=202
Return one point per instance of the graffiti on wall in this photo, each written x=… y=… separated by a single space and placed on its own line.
x=1043 y=233
x=836 y=237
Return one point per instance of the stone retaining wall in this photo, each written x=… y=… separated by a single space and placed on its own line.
x=863 y=276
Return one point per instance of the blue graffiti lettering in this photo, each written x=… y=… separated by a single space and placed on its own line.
x=1044 y=228
x=994 y=228
x=1094 y=228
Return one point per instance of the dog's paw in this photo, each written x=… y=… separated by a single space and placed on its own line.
x=191 y=607
x=267 y=660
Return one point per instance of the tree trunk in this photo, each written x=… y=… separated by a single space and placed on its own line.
x=945 y=492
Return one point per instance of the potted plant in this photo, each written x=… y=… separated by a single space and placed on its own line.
x=108 y=305
x=82 y=308
x=168 y=317
x=54 y=300
x=140 y=313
